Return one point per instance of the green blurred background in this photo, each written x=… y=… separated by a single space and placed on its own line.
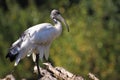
x=92 y=45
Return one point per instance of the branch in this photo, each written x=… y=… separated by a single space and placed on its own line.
x=92 y=76
x=54 y=73
x=51 y=73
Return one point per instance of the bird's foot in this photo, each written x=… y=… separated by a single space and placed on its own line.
x=39 y=76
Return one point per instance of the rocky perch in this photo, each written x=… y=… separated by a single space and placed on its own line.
x=54 y=73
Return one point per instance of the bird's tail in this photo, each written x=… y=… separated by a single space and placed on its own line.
x=14 y=51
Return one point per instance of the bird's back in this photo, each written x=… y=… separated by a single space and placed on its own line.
x=41 y=33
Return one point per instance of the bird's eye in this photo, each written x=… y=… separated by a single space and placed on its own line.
x=57 y=12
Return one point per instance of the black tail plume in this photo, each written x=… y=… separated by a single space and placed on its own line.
x=11 y=56
x=14 y=50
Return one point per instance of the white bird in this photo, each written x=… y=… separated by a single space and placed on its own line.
x=36 y=40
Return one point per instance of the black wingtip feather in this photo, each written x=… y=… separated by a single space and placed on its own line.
x=11 y=56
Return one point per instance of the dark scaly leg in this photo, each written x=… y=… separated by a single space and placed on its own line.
x=37 y=63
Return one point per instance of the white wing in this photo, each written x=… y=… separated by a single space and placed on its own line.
x=41 y=33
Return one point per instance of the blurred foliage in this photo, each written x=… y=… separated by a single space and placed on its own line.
x=92 y=45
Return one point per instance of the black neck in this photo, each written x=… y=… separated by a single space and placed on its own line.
x=55 y=21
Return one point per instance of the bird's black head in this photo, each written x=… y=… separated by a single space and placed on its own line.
x=54 y=14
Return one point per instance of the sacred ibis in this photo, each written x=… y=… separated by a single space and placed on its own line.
x=36 y=40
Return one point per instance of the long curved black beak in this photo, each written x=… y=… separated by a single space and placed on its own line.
x=63 y=20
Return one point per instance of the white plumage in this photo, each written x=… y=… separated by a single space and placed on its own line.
x=37 y=39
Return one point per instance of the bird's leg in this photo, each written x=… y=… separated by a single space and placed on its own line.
x=37 y=63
